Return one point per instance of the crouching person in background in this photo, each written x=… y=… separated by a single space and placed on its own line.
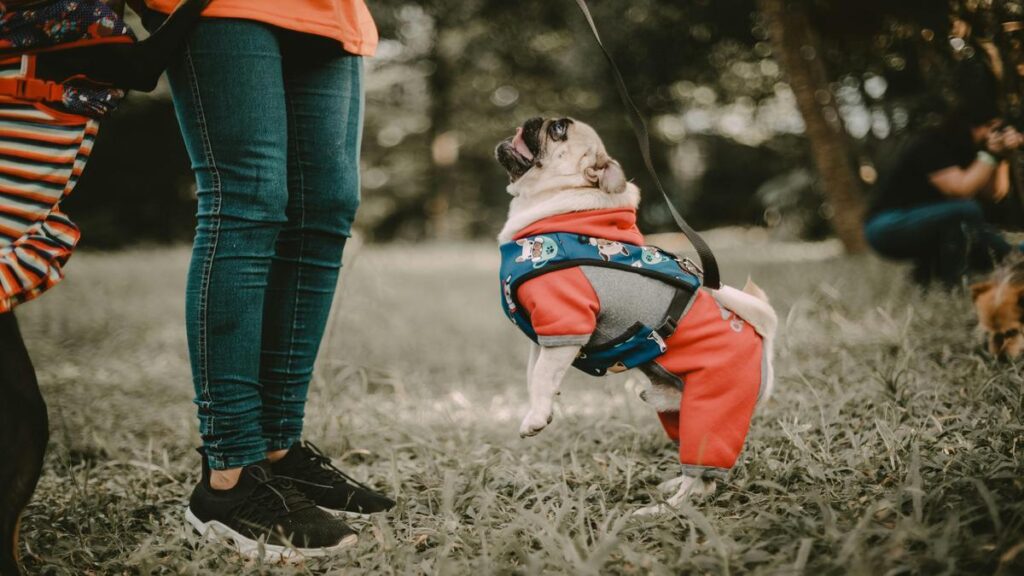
x=927 y=209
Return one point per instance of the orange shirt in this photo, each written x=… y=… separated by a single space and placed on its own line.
x=347 y=21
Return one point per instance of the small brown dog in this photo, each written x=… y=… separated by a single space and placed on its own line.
x=999 y=302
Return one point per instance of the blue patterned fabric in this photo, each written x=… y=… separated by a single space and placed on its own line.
x=532 y=256
x=64 y=22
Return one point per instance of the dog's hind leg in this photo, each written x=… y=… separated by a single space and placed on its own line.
x=686 y=487
x=23 y=436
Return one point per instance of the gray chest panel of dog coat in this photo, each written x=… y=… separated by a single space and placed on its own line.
x=626 y=298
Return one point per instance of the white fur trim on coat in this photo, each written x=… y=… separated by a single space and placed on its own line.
x=525 y=210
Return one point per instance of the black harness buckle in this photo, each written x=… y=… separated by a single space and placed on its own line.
x=680 y=303
x=668 y=327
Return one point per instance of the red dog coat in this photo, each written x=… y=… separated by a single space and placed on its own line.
x=714 y=355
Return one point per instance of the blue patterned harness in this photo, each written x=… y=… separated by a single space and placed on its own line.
x=535 y=255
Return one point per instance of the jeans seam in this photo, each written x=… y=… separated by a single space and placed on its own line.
x=293 y=134
x=207 y=269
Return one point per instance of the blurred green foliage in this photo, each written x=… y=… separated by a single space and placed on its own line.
x=453 y=77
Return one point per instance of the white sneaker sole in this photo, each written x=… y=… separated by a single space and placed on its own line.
x=219 y=532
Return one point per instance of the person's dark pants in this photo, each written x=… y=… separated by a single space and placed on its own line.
x=23 y=436
x=945 y=240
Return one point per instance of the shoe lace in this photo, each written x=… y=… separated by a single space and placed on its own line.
x=274 y=497
x=321 y=471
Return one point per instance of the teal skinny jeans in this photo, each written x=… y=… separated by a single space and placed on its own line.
x=272 y=120
x=945 y=240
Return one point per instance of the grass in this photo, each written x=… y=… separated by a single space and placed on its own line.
x=892 y=446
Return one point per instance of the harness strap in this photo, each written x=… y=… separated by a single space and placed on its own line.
x=32 y=89
x=680 y=302
x=712 y=278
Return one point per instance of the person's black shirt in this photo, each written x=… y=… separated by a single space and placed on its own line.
x=906 y=184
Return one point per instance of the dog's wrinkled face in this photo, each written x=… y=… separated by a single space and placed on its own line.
x=546 y=148
x=1000 y=308
x=520 y=152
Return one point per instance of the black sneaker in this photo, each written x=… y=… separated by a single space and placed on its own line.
x=313 y=473
x=266 y=516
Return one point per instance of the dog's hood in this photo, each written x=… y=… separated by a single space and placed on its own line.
x=618 y=224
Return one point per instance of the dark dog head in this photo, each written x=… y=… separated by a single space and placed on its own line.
x=521 y=151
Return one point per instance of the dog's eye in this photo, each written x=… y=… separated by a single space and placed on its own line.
x=558 y=129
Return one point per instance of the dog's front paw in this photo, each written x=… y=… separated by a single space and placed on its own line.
x=533 y=423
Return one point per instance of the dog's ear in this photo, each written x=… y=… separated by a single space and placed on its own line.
x=980 y=288
x=607 y=174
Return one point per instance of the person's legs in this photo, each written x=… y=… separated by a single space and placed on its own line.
x=23 y=436
x=324 y=98
x=229 y=96
x=986 y=246
x=938 y=237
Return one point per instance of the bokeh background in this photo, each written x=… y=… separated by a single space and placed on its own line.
x=892 y=444
x=786 y=130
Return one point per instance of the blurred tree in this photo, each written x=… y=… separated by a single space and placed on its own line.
x=732 y=138
x=476 y=70
x=799 y=50
x=865 y=74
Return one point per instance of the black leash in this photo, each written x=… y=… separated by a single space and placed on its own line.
x=707 y=258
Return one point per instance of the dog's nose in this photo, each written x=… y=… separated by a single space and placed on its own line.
x=1002 y=354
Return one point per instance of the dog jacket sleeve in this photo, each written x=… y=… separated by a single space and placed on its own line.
x=563 y=307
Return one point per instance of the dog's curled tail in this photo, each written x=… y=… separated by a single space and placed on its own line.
x=754 y=290
x=751 y=304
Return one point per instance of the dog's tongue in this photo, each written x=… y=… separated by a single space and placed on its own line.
x=520 y=145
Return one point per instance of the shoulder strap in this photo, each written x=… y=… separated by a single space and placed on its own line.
x=707 y=258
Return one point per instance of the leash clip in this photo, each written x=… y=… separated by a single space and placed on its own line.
x=690 y=266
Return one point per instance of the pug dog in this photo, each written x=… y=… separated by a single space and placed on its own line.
x=563 y=182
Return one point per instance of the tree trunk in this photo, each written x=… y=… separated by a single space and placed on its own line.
x=798 y=51
x=436 y=207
